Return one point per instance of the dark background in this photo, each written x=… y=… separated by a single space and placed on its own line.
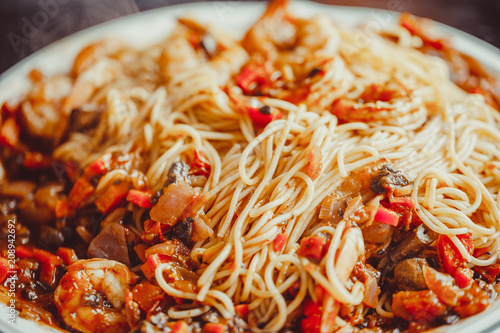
x=24 y=28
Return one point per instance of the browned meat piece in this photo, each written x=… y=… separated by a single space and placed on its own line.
x=377 y=232
x=388 y=178
x=110 y=243
x=408 y=274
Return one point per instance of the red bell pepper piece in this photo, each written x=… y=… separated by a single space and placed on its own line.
x=97 y=168
x=9 y=133
x=386 y=216
x=214 y=328
x=139 y=198
x=23 y=252
x=49 y=262
x=489 y=272
x=149 y=267
x=112 y=197
x=406 y=202
x=63 y=209
x=67 y=255
x=279 y=242
x=242 y=310
x=417 y=305
x=200 y=165
x=81 y=190
x=463 y=276
x=450 y=255
x=312 y=247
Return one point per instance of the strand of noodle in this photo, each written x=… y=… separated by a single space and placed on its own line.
x=181 y=314
x=270 y=129
x=205 y=280
x=247 y=284
x=237 y=229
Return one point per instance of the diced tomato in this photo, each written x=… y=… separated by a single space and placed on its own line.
x=200 y=165
x=404 y=207
x=180 y=327
x=5 y=269
x=139 y=198
x=81 y=190
x=214 y=328
x=147 y=295
x=261 y=120
x=242 y=310
x=417 y=305
x=386 y=216
x=140 y=250
x=315 y=162
x=252 y=76
x=152 y=262
x=450 y=255
x=474 y=300
x=300 y=94
x=489 y=272
x=463 y=276
x=49 y=262
x=442 y=285
x=153 y=231
x=23 y=252
x=9 y=133
x=36 y=160
x=279 y=242
x=311 y=308
x=312 y=322
x=481 y=251
x=312 y=247
x=112 y=197
x=63 y=209
x=67 y=255
x=97 y=168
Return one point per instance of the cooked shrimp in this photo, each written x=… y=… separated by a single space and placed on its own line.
x=215 y=49
x=279 y=33
x=93 y=52
x=298 y=47
x=272 y=32
x=41 y=109
x=91 y=295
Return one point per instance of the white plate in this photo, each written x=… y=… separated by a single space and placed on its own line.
x=148 y=27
